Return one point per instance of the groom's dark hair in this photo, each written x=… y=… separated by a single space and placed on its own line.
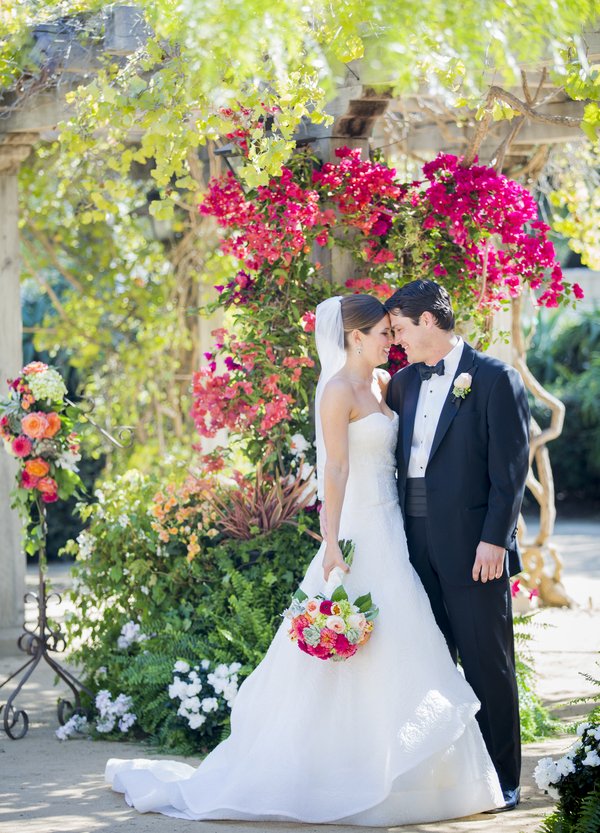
x=417 y=297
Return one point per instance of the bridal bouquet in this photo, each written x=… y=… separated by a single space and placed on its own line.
x=331 y=627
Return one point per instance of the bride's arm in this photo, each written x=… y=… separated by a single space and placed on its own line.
x=336 y=406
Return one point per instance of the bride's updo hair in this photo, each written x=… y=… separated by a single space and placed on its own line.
x=360 y=312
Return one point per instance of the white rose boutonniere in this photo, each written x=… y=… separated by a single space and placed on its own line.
x=462 y=385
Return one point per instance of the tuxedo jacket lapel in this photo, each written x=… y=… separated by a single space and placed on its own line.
x=409 y=409
x=467 y=364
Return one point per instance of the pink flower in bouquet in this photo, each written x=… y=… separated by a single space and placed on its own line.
x=28 y=481
x=4 y=429
x=328 y=638
x=48 y=488
x=325 y=608
x=21 y=446
x=37 y=467
x=298 y=625
x=54 y=425
x=312 y=607
x=35 y=425
x=343 y=648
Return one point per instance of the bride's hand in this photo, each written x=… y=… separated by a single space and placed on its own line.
x=333 y=558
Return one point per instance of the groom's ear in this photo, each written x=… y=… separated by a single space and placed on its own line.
x=427 y=320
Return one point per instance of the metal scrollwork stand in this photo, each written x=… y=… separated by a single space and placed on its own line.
x=43 y=639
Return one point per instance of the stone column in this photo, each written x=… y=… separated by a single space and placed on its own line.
x=12 y=558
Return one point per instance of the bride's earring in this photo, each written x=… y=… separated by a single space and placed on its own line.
x=359 y=351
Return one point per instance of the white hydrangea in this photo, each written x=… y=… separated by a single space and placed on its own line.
x=47 y=385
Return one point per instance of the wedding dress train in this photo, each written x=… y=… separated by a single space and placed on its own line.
x=387 y=737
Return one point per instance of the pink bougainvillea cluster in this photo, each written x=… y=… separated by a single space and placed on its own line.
x=472 y=229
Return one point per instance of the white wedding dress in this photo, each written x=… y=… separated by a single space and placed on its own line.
x=387 y=737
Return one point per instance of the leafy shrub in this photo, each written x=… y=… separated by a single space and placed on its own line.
x=147 y=599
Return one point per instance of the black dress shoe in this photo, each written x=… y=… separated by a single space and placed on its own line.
x=511 y=799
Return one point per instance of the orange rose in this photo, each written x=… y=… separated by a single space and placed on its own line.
x=47 y=486
x=34 y=367
x=54 y=425
x=37 y=467
x=35 y=425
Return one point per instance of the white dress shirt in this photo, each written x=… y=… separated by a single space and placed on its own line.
x=431 y=400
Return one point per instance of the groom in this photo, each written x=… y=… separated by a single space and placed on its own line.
x=462 y=462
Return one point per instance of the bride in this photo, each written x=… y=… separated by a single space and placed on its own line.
x=387 y=737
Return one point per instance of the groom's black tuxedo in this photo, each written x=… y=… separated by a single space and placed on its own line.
x=474 y=484
x=478 y=463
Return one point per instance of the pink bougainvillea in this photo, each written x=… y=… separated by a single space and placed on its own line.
x=472 y=229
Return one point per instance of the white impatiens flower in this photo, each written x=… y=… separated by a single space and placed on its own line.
x=195 y=721
x=178 y=689
x=181 y=667
x=591 y=759
x=582 y=727
x=209 y=704
x=205 y=665
x=545 y=773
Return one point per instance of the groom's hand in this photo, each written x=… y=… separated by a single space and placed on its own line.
x=489 y=562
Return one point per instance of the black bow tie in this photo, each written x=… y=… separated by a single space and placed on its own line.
x=426 y=372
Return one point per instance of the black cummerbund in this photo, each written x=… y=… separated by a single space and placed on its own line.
x=416 y=497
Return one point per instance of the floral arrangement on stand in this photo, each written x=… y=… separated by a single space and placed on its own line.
x=37 y=425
